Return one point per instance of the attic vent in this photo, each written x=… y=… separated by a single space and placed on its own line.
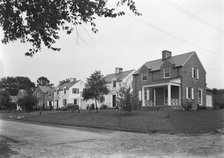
x=166 y=54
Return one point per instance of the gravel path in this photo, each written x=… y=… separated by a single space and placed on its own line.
x=32 y=140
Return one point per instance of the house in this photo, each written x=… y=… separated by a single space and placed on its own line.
x=170 y=80
x=114 y=82
x=45 y=97
x=69 y=93
x=21 y=93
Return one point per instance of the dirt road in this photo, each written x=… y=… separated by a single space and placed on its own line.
x=31 y=140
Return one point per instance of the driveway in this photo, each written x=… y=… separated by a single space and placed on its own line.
x=18 y=139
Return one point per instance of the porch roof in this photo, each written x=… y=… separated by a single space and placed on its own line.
x=158 y=83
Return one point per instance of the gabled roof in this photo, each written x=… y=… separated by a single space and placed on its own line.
x=68 y=84
x=117 y=76
x=22 y=92
x=178 y=60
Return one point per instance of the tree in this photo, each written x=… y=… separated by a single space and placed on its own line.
x=124 y=97
x=13 y=84
x=39 y=22
x=43 y=81
x=4 y=99
x=95 y=87
x=27 y=102
x=64 y=81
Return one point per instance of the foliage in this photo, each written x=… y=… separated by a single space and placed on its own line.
x=218 y=99
x=124 y=99
x=103 y=107
x=39 y=21
x=43 y=81
x=4 y=99
x=95 y=87
x=64 y=81
x=27 y=102
x=13 y=84
x=187 y=104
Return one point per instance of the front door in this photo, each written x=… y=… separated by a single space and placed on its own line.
x=165 y=96
x=114 y=101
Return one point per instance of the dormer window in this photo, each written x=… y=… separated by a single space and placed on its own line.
x=144 y=77
x=166 y=72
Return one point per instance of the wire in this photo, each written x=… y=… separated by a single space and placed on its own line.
x=174 y=36
x=193 y=16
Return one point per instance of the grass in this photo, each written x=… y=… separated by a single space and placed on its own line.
x=186 y=122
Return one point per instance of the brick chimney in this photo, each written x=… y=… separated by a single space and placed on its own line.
x=72 y=79
x=166 y=54
x=118 y=70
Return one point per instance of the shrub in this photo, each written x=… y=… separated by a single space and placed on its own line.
x=103 y=107
x=187 y=104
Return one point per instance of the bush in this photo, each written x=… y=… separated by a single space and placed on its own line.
x=187 y=104
x=103 y=107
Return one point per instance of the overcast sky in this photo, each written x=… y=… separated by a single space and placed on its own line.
x=177 y=25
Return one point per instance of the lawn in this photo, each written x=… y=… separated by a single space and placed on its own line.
x=186 y=122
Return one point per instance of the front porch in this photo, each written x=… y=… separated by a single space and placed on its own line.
x=161 y=94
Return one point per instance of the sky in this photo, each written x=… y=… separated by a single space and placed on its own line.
x=179 y=26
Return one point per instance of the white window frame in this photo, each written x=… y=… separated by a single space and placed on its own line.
x=200 y=98
x=189 y=89
x=164 y=72
x=144 y=77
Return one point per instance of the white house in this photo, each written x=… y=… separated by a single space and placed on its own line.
x=70 y=93
x=114 y=82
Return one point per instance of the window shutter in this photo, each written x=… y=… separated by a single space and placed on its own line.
x=187 y=92
x=192 y=93
x=139 y=95
x=192 y=72
x=197 y=73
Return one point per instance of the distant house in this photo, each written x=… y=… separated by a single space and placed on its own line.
x=69 y=93
x=21 y=93
x=45 y=97
x=170 y=80
x=114 y=82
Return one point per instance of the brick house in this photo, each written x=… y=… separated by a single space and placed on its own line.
x=45 y=97
x=170 y=80
x=114 y=82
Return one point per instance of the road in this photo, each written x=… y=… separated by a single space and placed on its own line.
x=18 y=139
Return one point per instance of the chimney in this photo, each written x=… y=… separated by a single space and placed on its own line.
x=118 y=70
x=166 y=54
x=51 y=85
x=72 y=79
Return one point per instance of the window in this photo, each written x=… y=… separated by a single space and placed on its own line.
x=195 y=73
x=114 y=83
x=139 y=95
x=189 y=93
x=75 y=101
x=64 y=102
x=75 y=90
x=200 y=96
x=57 y=91
x=145 y=94
x=64 y=91
x=166 y=72
x=144 y=77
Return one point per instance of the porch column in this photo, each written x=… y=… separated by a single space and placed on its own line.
x=179 y=95
x=154 y=95
x=143 y=97
x=169 y=95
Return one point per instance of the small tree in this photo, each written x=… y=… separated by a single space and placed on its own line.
x=4 y=99
x=124 y=99
x=95 y=88
x=27 y=102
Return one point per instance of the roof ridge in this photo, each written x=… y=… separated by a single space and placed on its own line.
x=120 y=72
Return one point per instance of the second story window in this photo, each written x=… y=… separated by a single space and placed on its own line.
x=166 y=72
x=114 y=83
x=144 y=77
x=195 y=73
x=75 y=90
x=64 y=91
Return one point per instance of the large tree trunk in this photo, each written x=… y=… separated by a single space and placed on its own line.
x=96 y=105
